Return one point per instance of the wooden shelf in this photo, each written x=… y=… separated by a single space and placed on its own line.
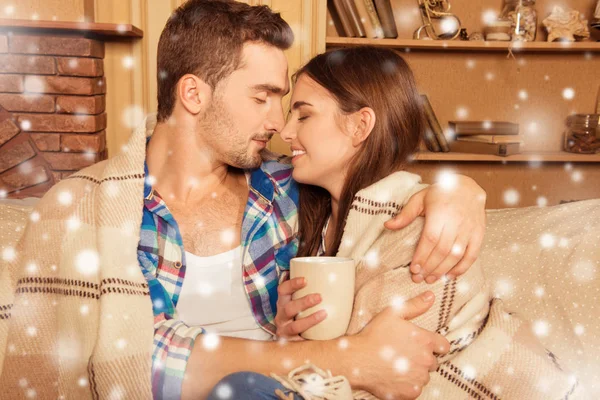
x=558 y=156
x=461 y=45
x=100 y=30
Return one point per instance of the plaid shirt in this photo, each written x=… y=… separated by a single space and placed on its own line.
x=269 y=241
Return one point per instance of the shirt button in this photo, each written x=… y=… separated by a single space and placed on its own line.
x=177 y=264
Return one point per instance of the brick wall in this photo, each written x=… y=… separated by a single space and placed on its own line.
x=52 y=103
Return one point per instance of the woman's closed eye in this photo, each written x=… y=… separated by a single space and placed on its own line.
x=259 y=100
x=302 y=118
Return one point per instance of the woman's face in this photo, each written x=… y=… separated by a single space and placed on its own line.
x=319 y=136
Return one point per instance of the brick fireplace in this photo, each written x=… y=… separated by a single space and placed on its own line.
x=52 y=102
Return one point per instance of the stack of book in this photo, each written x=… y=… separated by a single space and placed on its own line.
x=373 y=19
x=485 y=137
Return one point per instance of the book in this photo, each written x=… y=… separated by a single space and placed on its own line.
x=429 y=139
x=434 y=124
x=369 y=18
x=498 y=149
x=340 y=11
x=490 y=138
x=357 y=26
x=483 y=128
x=386 y=15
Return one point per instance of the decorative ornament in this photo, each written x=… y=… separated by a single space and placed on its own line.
x=566 y=25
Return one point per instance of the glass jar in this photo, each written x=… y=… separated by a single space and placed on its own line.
x=523 y=15
x=583 y=134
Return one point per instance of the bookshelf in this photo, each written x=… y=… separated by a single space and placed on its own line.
x=459 y=45
x=558 y=156
x=503 y=81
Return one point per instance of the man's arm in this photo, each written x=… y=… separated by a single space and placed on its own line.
x=454 y=211
x=360 y=360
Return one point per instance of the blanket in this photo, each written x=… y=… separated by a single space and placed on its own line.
x=493 y=353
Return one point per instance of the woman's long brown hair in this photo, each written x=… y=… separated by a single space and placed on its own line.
x=362 y=77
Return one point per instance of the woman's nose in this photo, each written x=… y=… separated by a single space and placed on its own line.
x=287 y=133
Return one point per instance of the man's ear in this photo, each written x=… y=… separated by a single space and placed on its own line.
x=193 y=93
x=364 y=122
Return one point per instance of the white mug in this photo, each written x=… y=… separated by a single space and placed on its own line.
x=332 y=278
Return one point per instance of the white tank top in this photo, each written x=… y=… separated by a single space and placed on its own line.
x=213 y=296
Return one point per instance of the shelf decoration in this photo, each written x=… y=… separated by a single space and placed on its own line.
x=432 y=10
x=566 y=25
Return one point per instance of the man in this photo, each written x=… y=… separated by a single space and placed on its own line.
x=195 y=187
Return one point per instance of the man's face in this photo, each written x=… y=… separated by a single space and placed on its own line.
x=246 y=108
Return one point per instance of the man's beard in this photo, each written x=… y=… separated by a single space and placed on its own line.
x=232 y=147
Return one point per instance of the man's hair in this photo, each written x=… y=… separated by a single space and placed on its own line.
x=206 y=37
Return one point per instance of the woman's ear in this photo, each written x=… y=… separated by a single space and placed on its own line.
x=364 y=123
x=193 y=93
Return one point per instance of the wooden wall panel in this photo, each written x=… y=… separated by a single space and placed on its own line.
x=58 y=10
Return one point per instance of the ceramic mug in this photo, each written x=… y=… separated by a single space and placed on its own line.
x=332 y=278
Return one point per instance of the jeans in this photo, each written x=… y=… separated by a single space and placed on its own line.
x=248 y=386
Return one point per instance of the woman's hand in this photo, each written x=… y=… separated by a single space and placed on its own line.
x=400 y=355
x=287 y=309
x=454 y=228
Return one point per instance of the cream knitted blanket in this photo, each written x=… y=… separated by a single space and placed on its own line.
x=493 y=353
x=76 y=317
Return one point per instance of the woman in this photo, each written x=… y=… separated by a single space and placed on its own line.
x=356 y=120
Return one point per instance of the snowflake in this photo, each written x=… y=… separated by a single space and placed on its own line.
x=547 y=240
x=470 y=64
x=447 y=180
x=83 y=381
x=205 y=289
x=401 y=365
x=387 y=353
x=532 y=127
x=133 y=116
x=584 y=271
x=9 y=254
x=568 y=166
x=73 y=223
x=510 y=370
x=511 y=197
x=224 y=391
x=577 y=176
x=3 y=194
x=31 y=331
x=504 y=288
x=469 y=372
x=23 y=383
x=568 y=94
x=227 y=236
x=9 y=10
x=117 y=393
x=31 y=268
x=463 y=287
x=87 y=262
x=343 y=343
x=541 y=328
x=523 y=95
x=121 y=344
x=65 y=198
x=371 y=259
x=31 y=393
x=259 y=282
x=35 y=216
x=332 y=277
x=287 y=363
x=579 y=330
x=490 y=76
x=128 y=62
x=539 y=291
x=84 y=309
x=563 y=242
x=489 y=16
x=121 y=28
x=462 y=112
x=542 y=201
x=210 y=341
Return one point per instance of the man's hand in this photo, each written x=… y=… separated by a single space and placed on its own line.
x=400 y=354
x=287 y=309
x=454 y=228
